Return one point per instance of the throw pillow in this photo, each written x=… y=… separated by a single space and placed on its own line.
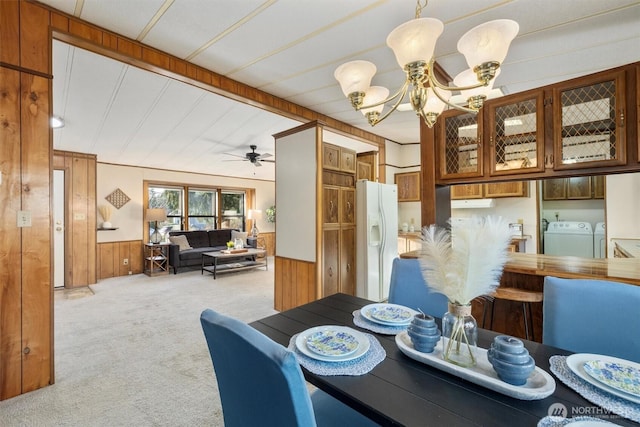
x=181 y=241
x=239 y=235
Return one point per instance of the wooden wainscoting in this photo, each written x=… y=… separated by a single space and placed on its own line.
x=112 y=256
x=294 y=283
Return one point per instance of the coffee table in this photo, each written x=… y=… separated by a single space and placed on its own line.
x=246 y=260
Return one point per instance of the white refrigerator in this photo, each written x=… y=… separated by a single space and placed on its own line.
x=376 y=237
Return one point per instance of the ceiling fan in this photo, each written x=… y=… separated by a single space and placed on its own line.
x=253 y=157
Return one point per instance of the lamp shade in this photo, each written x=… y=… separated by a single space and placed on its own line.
x=374 y=95
x=415 y=40
x=488 y=42
x=254 y=214
x=435 y=104
x=156 y=214
x=468 y=78
x=355 y=76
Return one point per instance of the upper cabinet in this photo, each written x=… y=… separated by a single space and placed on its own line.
x=589 y=121
x=573 y=188
x=408 y=186
x=516 y=134
x=338 y=158
x=459 y=145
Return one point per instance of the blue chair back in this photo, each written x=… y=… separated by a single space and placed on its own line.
x=592 y=316
x=409 y=288
x=260 y=381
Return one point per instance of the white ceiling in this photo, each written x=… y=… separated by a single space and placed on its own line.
x=290 y=48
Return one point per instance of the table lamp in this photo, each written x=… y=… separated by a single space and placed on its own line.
x=254 y=214
x=154 y=215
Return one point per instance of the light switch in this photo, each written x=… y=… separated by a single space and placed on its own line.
x=24 y=218
x=79 y=216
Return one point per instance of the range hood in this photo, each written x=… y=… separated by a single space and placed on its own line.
x=473 y=204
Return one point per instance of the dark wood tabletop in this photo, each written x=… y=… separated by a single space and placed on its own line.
x=402 y=391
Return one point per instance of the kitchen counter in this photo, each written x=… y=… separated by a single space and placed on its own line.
x=614 y=269
x=629 y=248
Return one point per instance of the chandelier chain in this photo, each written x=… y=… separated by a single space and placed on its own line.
x=419 y=7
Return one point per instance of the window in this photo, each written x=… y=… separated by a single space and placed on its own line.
x=197 y=208
x=232 y=210
x=202 y=209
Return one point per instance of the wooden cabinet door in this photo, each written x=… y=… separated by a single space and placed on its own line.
x=589 y=121
x=347 y=160
x=506 y=189
x=466 y=191
x=459 y=145
x=348 y=260
x=598 y=186
x=330 y=156
x=516 y=133
x=347 y=206
x=579 y=188
x=554 y=189
x=408 y=186
x=330 y=205
x=364 y=171
x=330 y=261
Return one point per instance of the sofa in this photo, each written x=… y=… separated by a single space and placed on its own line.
x=189 y=253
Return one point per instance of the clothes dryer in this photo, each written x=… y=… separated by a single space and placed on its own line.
x=599 y=240
x=572 y=238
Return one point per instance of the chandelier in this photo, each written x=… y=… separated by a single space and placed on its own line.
x=413 y=44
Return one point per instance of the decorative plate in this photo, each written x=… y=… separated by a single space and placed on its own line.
x=363 y=343
x=576 y=363
x=620 y=376
x=331 y=342
x=388 y=314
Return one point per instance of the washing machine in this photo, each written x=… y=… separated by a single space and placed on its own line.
x=573 y=238
x=599 y=247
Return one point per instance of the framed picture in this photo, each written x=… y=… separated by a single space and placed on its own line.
x=408 y=186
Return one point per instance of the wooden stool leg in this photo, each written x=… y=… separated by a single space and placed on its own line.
x=526 y=322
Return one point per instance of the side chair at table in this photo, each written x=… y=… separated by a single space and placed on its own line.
x=592 y=316
x=261 y=383
x=408 y=288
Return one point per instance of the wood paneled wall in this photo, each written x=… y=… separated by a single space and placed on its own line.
x=112 y=256
x=26 y=349
x=297 y=281
x=80 y=221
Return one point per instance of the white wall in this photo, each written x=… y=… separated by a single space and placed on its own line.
x=401 y=158
x=130 y=218
x=512 y=209
x=623 y=207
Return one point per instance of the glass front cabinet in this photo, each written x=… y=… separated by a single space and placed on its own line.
x=589 y=121
x=460 y=145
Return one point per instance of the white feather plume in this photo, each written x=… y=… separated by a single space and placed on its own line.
x=468 y=263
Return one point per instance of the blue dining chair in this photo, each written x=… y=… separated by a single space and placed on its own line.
x=261 y=383
x=592 y=316
x=408 y=288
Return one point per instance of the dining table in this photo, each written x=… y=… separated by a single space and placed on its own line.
x=401 y=391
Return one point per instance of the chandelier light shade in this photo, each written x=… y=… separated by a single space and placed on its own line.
x=415 y=40
x=413 y=43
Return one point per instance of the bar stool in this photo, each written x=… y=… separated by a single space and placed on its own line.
x=517 y=295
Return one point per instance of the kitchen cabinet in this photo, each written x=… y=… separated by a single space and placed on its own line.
x=467 y=191
x=516 y=133
x=506 y=189
x=573 y=188
x=408 y=184
x=363 y=171
x=347 y=206
x=589 y=120
x=459 y=145
x=338 y=158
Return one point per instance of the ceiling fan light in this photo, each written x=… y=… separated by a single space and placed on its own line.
x=415 y=40
x=374 y=95
x=488 y=42
x=355 y=76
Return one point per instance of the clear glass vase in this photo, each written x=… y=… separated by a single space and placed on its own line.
x=461 y=329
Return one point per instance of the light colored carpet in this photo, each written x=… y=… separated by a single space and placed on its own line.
x=133 y=353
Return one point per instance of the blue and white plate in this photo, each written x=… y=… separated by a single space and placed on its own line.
x=620 y=376
x=303 y=339
x=388 y=314
x=332 y=342
x=576 y=363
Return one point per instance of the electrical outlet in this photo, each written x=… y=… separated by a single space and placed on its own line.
x=125 y=261
x=24 y=218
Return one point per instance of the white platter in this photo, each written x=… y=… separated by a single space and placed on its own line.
x=363 y=343
x=539 y=385
x=367 y=311
x=576 y=362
